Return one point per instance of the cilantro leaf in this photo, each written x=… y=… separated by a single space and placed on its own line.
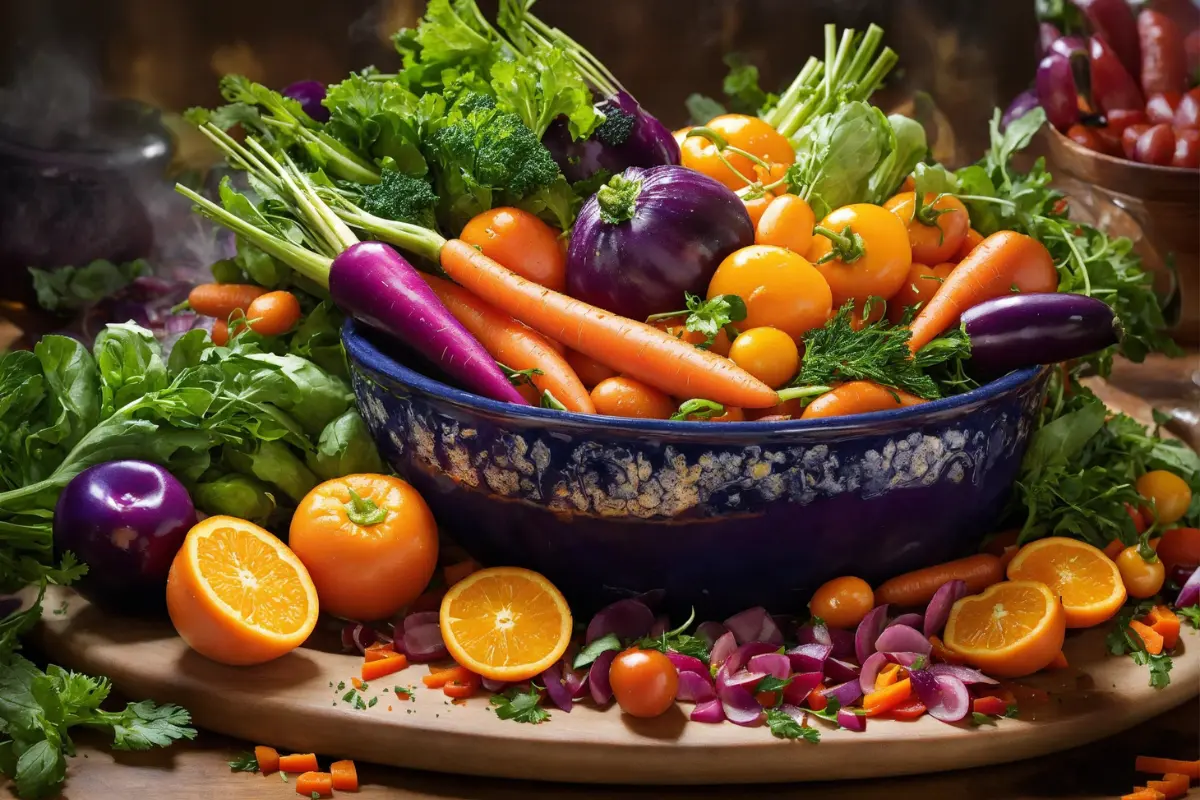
x=244 y=762
x=1123 y=639
x=829 y=712
x=742 y=89
x=520 y=706
x=144 y=725
x=1191 y=614
x=596 y=649
x=41 y=768
x=678 y=641
x=982 y=719
x=772 y=684
x=709 y=317
x=782 y=725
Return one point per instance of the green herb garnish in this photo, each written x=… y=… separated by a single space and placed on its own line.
x=520 y=706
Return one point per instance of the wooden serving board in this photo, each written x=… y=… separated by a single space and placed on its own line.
x=292 y=703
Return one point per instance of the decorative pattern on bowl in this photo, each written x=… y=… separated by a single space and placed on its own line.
x=719 y=515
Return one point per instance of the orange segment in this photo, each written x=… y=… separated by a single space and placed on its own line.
x=1087 y=580
x=505 y=623
x=1010 y=630
x=238 y=595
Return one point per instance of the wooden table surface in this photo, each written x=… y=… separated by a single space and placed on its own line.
x=198 y=770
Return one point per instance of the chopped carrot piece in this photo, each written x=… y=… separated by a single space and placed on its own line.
x=887 y=676
x=1171 y=789
x=374 y=670
x=991 y=706
x=1144 y=793
x=887 y=698
x=356 y=683
x=436 y=680
x=380 y=651
x=1152 y=638
x=1180 y=781
x=1161 y=766
x=345 y=776
x=267 y=758
x=462 y=689
x=456 y=572
x=298 y=762
x=1165 y=623
x=1059 y=662
x=943 y=653
x=318 y=783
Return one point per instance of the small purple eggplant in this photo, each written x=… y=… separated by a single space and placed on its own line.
x=309 y=95
x=1023 y=330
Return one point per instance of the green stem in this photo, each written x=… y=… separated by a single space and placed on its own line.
x=807 y=77
x=848 y=246
x=618 y=199
x=980 y=198
x=420 y=241
x=362 y=511
x=708 y=133
x=798 y=392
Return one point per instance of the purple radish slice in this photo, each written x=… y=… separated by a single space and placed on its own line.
x=925 y=684
x=774 y=664
x=903 y=639
x=722 y=649
x=964 y=674
x=754 y=625
x=740 y=706
x=695 y=688
x=598 y=684
x=847 y=693
x=838 y=670
x=870 y=671
x=747 y=652
x=868 y=631
x=954 y=701
x=711 y=711
x=850 y=721
x=625 y=619
x=911 y=620
x=552 y=679
x=938 y=610
x=809 y=657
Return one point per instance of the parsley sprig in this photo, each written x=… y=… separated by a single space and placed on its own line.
x=709 y=317
x=678 y=641
x=783 y=726
x=244 y=762
x=520 y=706
x=1124 y=640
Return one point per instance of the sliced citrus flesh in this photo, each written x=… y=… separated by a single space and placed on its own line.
x=505 y=623
x=1087 y=581
x=238 y=595
x=1012 y=629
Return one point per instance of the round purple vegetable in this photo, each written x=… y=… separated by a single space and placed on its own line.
x=1056 y=91
x=125 y=520
x=628 y=137
x=309 y=94
x=1023 y=330
x=1024 y=102
x=650 y=235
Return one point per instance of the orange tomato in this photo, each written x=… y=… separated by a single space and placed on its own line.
x=1086 y=580
x=773 y=175
x=644 y=682
x=369 y=542
x=787 y=222
x=681 y=133
x=768 y=354
x=842 y=602
x=589 y=370
x=876 y=257
x=745 y=132
x=1012 y=629
x=238 y=595
x=1169 y=493
x=920 y=285
x=780 y=289
x=939 y=229
x=273 y=313
x=1142 y=578
x=626 y=397
x=758 y=206
x=521 y=242
x=676 y=326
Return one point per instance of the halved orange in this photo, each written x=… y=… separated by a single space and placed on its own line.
x=1012 y=629
x=238 y=595
x=1088 y=581
x=505 y=623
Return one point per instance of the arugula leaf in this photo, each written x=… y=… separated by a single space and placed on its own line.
x=75 y=288
x=345 y=448
x=520 y=706
x=783 y=726
x=596 y=649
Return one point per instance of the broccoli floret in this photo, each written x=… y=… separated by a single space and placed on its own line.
x=486 y=158
x=401 y=197
x=617 y=126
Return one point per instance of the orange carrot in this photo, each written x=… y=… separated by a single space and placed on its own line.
x=1152 y=638
x=436 y=680
x=999 y=263
x=461 y=689
x=857 y=397
x=267 y=758
x=636 y=349
x=1165 y=623
x=345 y=776
x=318 y=783
x=298 y=762
x=1144 y=793
x=1161 y=766
x=222 y=299
x=514 y=345
x=917 y=588
x=374 y=670
x=357 y=682
x=887 y=698
x=379 y=651
x=1172 y=785
x=456 y=572
x=1059 y=662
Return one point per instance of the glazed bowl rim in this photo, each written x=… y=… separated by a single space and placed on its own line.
x=363 y=353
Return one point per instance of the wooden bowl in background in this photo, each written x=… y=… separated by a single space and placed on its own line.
x=1164 y=201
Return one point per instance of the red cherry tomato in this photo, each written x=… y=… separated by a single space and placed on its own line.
x=1160 y=106
x=1187 y=113
x=1187 y=148
x=1130 y=136
x=1156 y=146
x=1084 y=136
x=644 y=682
x=1121 y=118
x=1179 y=547
x=1110 y=141
x=1164 y=63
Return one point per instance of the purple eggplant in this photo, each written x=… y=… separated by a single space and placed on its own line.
x=629 y=137
x=1113 y=21
x=125 y=520
x=650 y=235
x=1056 y=91
x=373 y=283
x=1024 y=102
x=309 y=94
x=1023 y=330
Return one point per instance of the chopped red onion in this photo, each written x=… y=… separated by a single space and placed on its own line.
x=906 y=660
x=838 y=670
x=809 y=657
x=710 y=632
x=903 y=639
x=868 y=631
x=938 y=610
x=347 y=632
x=775 y=664
x=964 y=674
x=722 y=649
x=552 y=679
x=850 y=721
x=424 y=643
x=695 y=688
x=726 y=679
x=747 y=652
x=740 y=706
x=925 y=685
x=801 y=687
x=662 y=624
x=755 y=625
x=420 y=618
x=1189 y=595
x=808 y=633
x=794 y=711
x=598 y=683
x=685 y=663
x=356 y=636
x=843 y=644
x=911 y=620
x=846 y=693
x=870 y=671
x=626 y=619
x=709 y=711
x=954 y=702
x=576 y=682
x=493 y=686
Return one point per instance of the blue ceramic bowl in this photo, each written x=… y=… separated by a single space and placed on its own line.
x=721 y=516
